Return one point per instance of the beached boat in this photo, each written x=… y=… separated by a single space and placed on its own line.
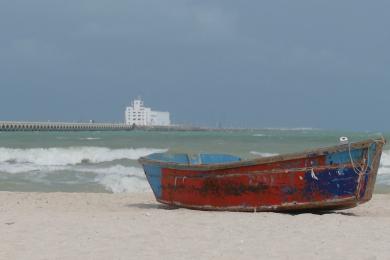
x=337 y=177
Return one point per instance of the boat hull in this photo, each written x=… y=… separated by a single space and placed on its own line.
x=325 y=179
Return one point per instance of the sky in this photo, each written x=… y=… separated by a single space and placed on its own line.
x=321 y=64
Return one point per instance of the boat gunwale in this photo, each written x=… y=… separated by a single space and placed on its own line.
x=309 y=153
x=271 y=171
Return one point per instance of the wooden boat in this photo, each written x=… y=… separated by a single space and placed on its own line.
x=337 y=177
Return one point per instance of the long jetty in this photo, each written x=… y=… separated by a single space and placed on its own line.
x=12 y=126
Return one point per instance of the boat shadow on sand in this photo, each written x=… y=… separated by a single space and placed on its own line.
x=320 y=213
x=150 y=206
x=294 y=213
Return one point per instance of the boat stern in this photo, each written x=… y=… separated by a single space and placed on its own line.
x=367 y=179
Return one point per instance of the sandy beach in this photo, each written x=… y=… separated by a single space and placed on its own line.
x=134 y=226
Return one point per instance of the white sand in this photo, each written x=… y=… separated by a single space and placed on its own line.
x=134 y=226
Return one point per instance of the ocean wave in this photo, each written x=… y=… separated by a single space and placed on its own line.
x=385 y=163
x=384 y=180
x=292 y=129
x=119 y=179
x=15 y=168
x=90 y=138
x=64 y=166
x=116 y=178
x=259 y=135
x=263 y=154
x=70 y=155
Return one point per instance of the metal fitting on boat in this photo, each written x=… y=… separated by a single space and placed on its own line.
x=344 y=140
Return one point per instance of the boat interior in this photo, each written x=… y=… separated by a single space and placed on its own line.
x=194 y=159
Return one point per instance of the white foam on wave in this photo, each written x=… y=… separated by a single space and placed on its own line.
x=14 y=168
x=261 y=154
x=385 y=163
x=259 y=135
x=384 y=180
x=116 y=179
x=90 y=138
x=71 y=155
x=37 y=164
x=292 y=129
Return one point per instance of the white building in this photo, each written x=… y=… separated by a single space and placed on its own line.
x=138 y=114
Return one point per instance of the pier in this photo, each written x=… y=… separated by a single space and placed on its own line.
x=61 y=126
x=12 y=126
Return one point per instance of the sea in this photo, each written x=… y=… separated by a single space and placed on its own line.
x=106 y=162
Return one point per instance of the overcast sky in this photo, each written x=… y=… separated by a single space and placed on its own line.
x=322 y=64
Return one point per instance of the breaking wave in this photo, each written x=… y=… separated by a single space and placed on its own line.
x=119 y=178
x=260 y=154
x=385 y=163
x=292 y=129
x=384 y=169
x=116 y=179
x=71 y=155
x=77 y=165
x=90 y=138
x=15 y=168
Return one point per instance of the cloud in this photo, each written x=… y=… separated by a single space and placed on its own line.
x=179 y=53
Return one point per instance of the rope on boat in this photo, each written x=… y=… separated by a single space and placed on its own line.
x=356 y=169
x=313 y=175
x=359 y=170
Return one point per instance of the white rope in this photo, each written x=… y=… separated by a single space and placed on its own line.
x=360 y=170
x=355 y=169
x=313 y=175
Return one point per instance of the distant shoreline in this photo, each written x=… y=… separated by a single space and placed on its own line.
x=27 y=126
x=35 y=126
x=19 y=126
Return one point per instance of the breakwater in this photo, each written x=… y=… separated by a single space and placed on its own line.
x=9 y=126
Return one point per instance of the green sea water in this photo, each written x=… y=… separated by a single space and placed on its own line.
x=107 y=161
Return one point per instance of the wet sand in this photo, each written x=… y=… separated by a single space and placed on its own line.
x=134 y=226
